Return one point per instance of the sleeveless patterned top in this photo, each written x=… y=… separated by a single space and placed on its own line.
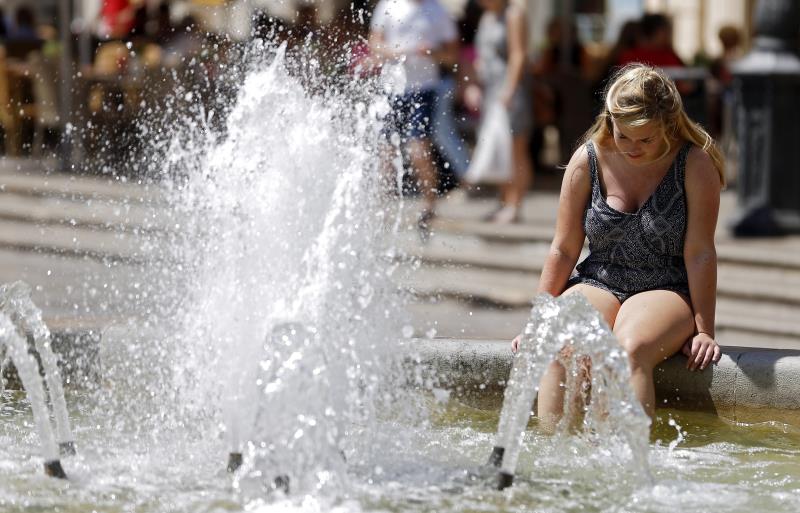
x=635 y=252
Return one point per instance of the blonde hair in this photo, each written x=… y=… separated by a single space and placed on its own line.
x=638 y=94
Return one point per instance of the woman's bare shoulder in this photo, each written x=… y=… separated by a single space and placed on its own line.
x=700 y=168
x=577 y=175
x=579 y=159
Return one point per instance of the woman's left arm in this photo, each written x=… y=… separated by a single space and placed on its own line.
x=703 y=188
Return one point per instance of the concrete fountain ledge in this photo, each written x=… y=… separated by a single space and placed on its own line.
x=746 y=385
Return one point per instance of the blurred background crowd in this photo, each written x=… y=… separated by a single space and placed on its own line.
x=75 y=75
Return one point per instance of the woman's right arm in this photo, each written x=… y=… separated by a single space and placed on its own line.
x=568 y=240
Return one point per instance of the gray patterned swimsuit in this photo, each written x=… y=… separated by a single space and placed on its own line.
x=634 y=252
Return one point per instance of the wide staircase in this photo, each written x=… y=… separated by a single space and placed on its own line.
x=474 y=279
x=86 y=244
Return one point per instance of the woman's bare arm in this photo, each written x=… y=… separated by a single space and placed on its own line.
x=568 y=240
x=567 y=243
x=702 y=196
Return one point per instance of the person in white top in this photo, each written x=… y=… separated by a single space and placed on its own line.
x=419 y=36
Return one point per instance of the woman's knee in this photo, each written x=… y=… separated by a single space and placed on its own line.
x=640 y=352
x=556 y=370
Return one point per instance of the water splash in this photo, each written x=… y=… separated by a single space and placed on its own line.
x=283 y=333
x=611 y=409
x=18 y=315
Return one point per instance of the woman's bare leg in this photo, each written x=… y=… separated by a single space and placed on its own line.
x=550 y=404
x=652 y=326
x=522 y=177
x=421 y=154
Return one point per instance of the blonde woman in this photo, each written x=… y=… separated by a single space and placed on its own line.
x=644 y=189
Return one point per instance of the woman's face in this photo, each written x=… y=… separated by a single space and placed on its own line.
x=639 y=144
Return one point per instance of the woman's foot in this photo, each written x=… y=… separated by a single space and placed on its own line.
x=507 y=214
x=488 y=218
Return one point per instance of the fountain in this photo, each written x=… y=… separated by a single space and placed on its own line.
x=569 y=322
x=278 y=349
x=18 y=316
x=290 y=291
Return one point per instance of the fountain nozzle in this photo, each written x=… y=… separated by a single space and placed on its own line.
x=496 y=458
x=67 y=449
x=54 y=469
x=504 y=480
x=234 y=461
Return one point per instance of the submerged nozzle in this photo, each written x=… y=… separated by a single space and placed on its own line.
x=67 y=449
x=504 y=480
x=496 y=458
x=234 y=461
x=54 y=469
x=282 y=483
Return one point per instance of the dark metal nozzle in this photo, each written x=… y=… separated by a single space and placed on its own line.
x=234 y=461
x=496 y=458
x=54 y=469
x=504 y=480
x=67 y=449
x=282 y=483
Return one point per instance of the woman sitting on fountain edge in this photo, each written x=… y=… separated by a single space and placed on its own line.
x=645 y=189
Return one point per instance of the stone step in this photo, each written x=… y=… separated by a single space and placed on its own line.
x=81 y=187
x=79 y=242
x=447 y=249
x=782 y=252
x=103 y=213
x=516 y=291
x=65 y=287
x=477 y=268
x=505 y=289
x=448 y=318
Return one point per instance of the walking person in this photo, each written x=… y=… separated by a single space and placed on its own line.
x=418 y=36
x=501 y=66
x=644 y=188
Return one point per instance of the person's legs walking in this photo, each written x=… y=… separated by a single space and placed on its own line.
x=419 y=151
x=513 y=192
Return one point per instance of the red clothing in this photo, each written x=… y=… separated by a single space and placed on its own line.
x=664 y=58
x=117 y=17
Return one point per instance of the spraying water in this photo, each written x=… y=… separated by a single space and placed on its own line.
x=18 y=315
x=291 y=304
x=570 y=322
x=281 y=348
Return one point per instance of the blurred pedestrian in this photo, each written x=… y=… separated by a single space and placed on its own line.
x=117 y=19
x=730 y=38
x=654 y=46
x=627 y=39
x=502 y=66
x=416 y=37
x=721 y=94
x=3 y=25
x=561 y=90
x=550 y=60
x=24 y=26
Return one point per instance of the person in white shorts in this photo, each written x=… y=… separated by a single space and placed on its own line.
x=419 y=36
